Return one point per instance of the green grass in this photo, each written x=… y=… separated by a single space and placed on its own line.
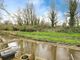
x=66 y=38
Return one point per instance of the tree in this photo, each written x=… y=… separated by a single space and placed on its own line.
x=29 y=15
x=26 y=16
x=73 y=6
x=53 y=18
x=77 y=20
x=53 y=14
x=31 y=12
x=18 y=17
x=1 y=7
x=1 y=4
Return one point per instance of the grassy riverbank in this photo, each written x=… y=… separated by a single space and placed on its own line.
x=66 y=38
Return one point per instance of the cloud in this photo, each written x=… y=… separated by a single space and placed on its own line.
x=45 y=16
x=60 y=17
x=78 y=1
x=39 y=6
x=36 y=2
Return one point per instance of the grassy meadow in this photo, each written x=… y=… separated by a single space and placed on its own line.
x=56 y=37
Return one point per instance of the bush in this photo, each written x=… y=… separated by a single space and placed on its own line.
x=31 y=29
x=6 y=27
x=25 y=28
x=70 y=30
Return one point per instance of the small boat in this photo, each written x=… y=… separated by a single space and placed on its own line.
x=9 y=51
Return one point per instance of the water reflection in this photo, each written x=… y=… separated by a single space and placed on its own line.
x=75 y=54
x=62 y=53
x=45 y=51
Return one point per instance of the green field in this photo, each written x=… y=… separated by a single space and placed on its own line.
x=56 y=37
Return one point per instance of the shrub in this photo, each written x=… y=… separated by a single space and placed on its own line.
x=70 y=30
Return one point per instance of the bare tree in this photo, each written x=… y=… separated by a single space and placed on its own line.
x=53 y=18
x=26 y=16
x=32 y=14
x=1 y=7
x=7 y=22
x=77 y=20
x=52 y=15
x=29 y=15
x=18 y=17
x=36 y=21
x=1 y=4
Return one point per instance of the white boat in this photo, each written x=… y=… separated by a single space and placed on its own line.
x=10 y=50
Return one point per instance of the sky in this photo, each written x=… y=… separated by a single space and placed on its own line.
x=41 y=7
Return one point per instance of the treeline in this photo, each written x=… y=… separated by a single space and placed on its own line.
x=27 y=20
x=24 y=27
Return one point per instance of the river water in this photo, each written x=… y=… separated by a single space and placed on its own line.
x=38 y=50
x=50 y=51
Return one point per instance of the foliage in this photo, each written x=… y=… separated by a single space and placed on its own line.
x=70 y=30
x=72 y=12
